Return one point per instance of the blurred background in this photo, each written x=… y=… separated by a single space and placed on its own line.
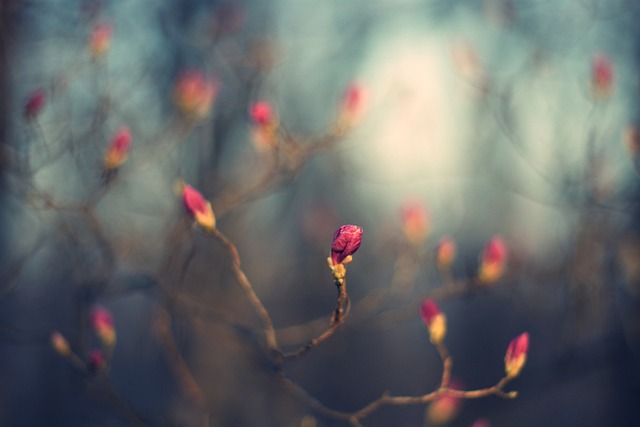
x=415 y=119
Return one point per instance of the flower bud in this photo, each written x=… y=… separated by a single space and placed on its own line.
x=415 y=222
x=60 y=344
x=445 y=253
x=265 y=124
x=97 y=361
x=35 y=103
x=194 y=94
x=346 y=241
x=353 y=103
x=118 y=150
x=102 y=324
x=198 y=208
x=493 y=261
x=481 y=422
x=444 y=408
x=516 y=355
x=100 y=39
x=601 y=76
x=434 y=319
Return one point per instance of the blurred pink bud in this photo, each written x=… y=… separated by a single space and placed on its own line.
x=481 y=422
x=602 y=75
x=194 y=93
x=445 y=252
x=198 y=207
x=632 y=140
x=353 y=105
x=516 y=355
x=35 y=103
x=262 y=113
x=96 y=360
x=60 y=344
x=434 y=319
x=444 y=408
x=415 y=222
x=100 y=39
x=346 y=241
x=102 y=323
x=118 y=150
x=493 y=260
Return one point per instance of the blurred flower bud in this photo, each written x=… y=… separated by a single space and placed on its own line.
x=198 y=208
x=415 y=222
x=493 y=261
x=35 y=103
x=601 y=76
x=632 y=140
x=353 y=106
x=516 y=355
x=97 y=361
x=434 y=319
x=444 y=408
x=481 y=422
x=118 y=150
x=445 y=253
x=265 y=125
x=194 y=94
x=102 y=324
x=346 y=241
x=100 y=39
x=60 y=344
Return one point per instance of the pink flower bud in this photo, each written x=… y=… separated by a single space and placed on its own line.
x=97 y=361
x=346 y=241
x=262 y=113
x=353 y=104
x=444 y=408
x=445 y=252
x=102 y=324
x=118 y=150
x=516 y=355
x=602 y=75
x=100 y=39
x=198 y=208
x=35 y=103
x=434 y=319
x=481 y=422
x=632 y=140
x=60 y=344
x=194 y=94
x=493 y=260
x=415 y=222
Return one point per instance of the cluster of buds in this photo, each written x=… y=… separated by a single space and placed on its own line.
x=198 y=208
x=100 y=39
x=265 y=125
x=346 y=241
x=434 y=320
x=445 y=253
x=516 y=355
x=352 y=107
x=194 y=94
x=103 y=325
x=35 y=103
x=601 y=76
x=493 y=261
x=118 y=150
x=415 y=222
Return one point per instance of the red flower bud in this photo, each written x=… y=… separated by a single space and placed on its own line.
x=346 y=241
x=602 y=75
x=194 y=94
x=434 y=319
x=100 y=39
x=262 y=113
x=493 y=260
x=445 y=252
x=35 y=103
x=96 y=360
x=198 y=207
x=415 y=222
x=353 y=104
x=516 y=355
x=102 y=324
x=118 y=150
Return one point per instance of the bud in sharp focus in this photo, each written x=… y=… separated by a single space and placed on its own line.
x=346 y=241
x=198 y=208
x=434 y=319
x=516 y=355
x=194 y=94
x=100 y=39
x=493 y=261
x=35 y=103
x=445 y=253
x=353 y=104
x=265 y=124
x=601 y=76
x=102 y=324
x=415 y=222
x=60 y=344
x=118 y=150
